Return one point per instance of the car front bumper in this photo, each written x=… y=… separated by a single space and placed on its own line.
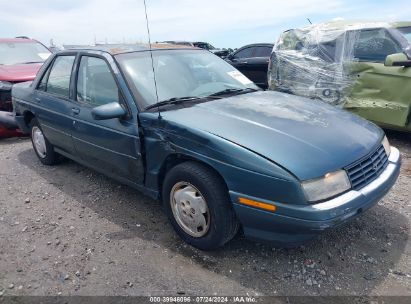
x=291 y=224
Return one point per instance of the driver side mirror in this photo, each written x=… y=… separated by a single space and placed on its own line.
x=108 y=111
x=398 y=59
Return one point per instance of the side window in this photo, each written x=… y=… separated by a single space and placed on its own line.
x=58 y=81
x=374 y=45
x=245 y=53
x=95 y=84
x=263 y=51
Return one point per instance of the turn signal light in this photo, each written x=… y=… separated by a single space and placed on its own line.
x=259 y=205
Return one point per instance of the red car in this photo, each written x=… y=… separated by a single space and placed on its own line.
x=20 y=59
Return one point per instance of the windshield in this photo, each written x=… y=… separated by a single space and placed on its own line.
x=179 y=73
x=22 y=52
x=406 y=32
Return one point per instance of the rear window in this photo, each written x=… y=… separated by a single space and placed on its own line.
x=22 y=53
x=326 y=51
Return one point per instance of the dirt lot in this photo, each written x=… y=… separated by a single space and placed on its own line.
x=68 y=230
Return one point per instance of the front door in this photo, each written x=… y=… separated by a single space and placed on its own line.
x=253 y=62
x=112 y=145
x=239 y=60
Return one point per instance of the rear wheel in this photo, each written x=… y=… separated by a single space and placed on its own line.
x=198 y=206
x=44 y=150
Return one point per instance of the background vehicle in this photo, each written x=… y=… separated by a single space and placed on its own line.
x=55 y=49
x=204 y=139
x=20 y=59
x=361 y=66
x=252 y=60
x=207 y=46
x=202 y=45
x=185 y=43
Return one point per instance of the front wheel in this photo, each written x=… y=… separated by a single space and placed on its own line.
x=198 y=206
x=44 y=150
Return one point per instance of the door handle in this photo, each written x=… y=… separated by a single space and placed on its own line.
x=75 y=110
x=38 y=99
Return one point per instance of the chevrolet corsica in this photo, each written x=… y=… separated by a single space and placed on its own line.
x=185 y=127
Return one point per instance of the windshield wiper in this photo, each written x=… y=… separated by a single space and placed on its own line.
x=29 y=62
x=174 y=100
x=235 y=91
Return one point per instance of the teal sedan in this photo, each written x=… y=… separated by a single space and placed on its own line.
x=185 y=127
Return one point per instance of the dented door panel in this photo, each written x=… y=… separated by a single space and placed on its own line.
x=381 y=94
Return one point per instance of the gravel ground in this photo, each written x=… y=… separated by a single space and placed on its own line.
x=68 y=230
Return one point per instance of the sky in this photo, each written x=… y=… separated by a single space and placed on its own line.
x=223 y=23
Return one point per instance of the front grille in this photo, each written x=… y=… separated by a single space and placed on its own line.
x=364 y=171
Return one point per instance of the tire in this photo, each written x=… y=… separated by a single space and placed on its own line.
x=199 y=183
x=44 y=150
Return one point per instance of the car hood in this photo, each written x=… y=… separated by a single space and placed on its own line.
x=19 y=72
x=306 y=137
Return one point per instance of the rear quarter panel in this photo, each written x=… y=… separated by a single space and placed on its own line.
x=21 y=96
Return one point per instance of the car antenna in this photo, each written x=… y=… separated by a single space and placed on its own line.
x=152 y=60
x=307 y=19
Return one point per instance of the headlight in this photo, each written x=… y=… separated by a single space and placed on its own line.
x=386 y=145
x=324 y=187
x=5 y=86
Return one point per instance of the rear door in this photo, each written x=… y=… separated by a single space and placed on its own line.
x=111 y=145
x=53 y=107
x=381 y=94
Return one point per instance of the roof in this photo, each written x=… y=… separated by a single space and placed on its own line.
x=258 y=44
x=115 y=49
x=16 y=40
x=401 y=24
x=355 y=24
x=177 y=41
